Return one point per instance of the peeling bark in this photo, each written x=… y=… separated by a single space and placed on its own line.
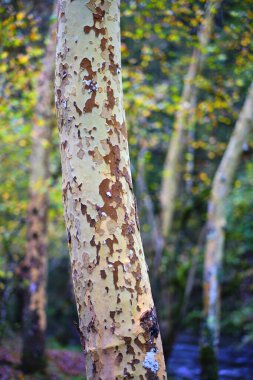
x=216 y=225
x=35 y=262
x=170 y=180
x=117 y=319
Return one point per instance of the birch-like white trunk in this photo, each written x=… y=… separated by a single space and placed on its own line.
x=216 y=223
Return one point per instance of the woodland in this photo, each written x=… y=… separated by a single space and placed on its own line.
x=126 y=206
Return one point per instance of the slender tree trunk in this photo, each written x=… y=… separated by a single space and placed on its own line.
x=190 y=149
x=154 y=241
x=170 y=180
x=216 y=225
x=117 y=318
x=35 y=262
x=192 y=272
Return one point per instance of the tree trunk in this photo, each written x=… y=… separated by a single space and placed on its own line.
x=216 y=225
x=35 y=262
x=192 y=272
x=154 y=241
x=117 y=318
x=170 y=180
x=190 y=150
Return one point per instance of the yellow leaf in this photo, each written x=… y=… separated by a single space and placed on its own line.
x=40 y=122
x=22 y=143
x=211 y=155
x=6 y=196
x=34 y=37
x=20 y=16
x=45 y=143
x=23 y=59
x=146 y=113
x=3 y=68
x=238 y=184
x=204 y=177
x=4 y=54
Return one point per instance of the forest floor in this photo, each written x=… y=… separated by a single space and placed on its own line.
x=235 y=361
x=63 y=364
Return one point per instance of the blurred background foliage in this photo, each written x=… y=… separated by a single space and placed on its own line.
x=158 y=38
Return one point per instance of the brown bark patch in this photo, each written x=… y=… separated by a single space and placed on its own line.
x=110 y=97
x=96 y=155
x=137 y=275
x=110 y=243
x=103 y=43
x=128 y=178
x=150 y=375
x=93 y=244
x=124 y=129
x=103 y=274
x=113 y=67
x=116 y=126
x=128 y=231
x=86 y=65
x=110 y=194
x=98 y=17
x=88 y=265
x=119 y=359
x=128 y=341
x=90 y=103
x=91 y=221
x=141 y=345
x=116 y=265
x=113 y=159
x=149 y=323
x=77 y=109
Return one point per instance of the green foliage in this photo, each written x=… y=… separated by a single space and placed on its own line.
x=18 y=67
x=21 y=52
x=157 y=43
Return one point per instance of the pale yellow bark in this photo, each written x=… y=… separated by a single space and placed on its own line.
x=170 y=179
x=216 y=223
x=117 y=319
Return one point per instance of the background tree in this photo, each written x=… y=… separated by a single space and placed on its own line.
x=216 y=226
x=20 y=52
x=156 y=98
x=35 y=261
x=183 y=121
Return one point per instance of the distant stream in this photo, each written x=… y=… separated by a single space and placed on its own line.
x=235 y=361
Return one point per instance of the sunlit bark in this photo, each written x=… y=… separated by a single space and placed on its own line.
x=117 y=318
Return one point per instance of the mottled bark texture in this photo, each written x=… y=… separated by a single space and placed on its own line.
x=216 y=225
x=35 y=262
x=183 y=121
x=117 y=318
